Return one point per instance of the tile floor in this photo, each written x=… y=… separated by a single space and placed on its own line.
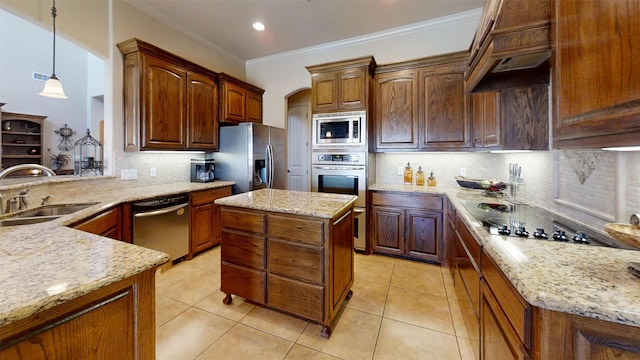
x=399 y=310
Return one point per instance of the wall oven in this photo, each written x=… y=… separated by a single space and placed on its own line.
x=344 y=173
x=343 y=130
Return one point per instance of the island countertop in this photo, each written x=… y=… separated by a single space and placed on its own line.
x=314 y=204
x=589 y=281
x=46 y=264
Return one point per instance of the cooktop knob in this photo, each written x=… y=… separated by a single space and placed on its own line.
x=559 y=235
x=504 y=230
x=580 y=238
x=540 y=234
x=522 y=232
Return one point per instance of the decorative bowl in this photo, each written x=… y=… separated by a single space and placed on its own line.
x=477 y=184
x=626 y=233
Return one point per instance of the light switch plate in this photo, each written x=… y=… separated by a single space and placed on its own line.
x=153 y=172
x=400 y=170
x=128 y=174
x=463 y=172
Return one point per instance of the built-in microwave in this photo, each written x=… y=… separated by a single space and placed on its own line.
x=339 y=130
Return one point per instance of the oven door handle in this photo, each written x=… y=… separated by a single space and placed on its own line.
x=339 y=167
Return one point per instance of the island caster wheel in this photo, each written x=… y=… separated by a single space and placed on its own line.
x=349 y=295
x=325 y=332
x=227 y=299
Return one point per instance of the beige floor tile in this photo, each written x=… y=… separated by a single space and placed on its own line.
x=275 y=323
x=368 y=296
x=208 y=260
x=425 y=278
x=449 y=284
x=372 y=270
x=468 y=349
x=195 y=287
x=234 y=311
x=189 y=334
x=399 y=340
x=419 y=309
x=304 y=353
x=168 y=308
x=461 y=327
x=243 y=342
x=354 y=336
x=379 y=258
x=176 y=273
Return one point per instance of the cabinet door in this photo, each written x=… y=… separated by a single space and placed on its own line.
x=498 y=340
x=443 y=111
x=324 y=92
x=105 y=224
x=424 y=235
x=254 y=107
x=202 y=228
x=388 y=227
x=595 y=76
x=164 y=110
x=396 y=114
x=485 y=115
x=202 y=93
x=352 y=89
x=234 y=102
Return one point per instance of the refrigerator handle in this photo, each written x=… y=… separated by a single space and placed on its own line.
x=269 y=164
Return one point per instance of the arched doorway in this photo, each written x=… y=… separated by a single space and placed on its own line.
x=299 y=140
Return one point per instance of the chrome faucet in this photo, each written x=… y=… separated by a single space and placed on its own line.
x=4 y=173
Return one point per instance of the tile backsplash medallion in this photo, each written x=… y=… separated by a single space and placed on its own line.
x=593 y=186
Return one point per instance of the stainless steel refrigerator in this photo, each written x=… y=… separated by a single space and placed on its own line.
x=252 y=155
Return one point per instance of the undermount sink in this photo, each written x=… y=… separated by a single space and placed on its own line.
x=43 y=214
x=626 y=233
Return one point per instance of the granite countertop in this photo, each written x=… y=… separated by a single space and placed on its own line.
x=315 y=204
x=590 y=281
x=46 y=264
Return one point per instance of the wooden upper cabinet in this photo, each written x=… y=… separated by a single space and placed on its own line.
x=596 y=74
x=421 y=105
x=443 y=111
x=169 y=103
x=239 y=101
x=396 y=110
x=341 y=86
x=485 y=114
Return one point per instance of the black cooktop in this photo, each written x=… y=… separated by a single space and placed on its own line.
x=533 y=222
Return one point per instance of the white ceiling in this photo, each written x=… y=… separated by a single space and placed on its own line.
x=291 y=24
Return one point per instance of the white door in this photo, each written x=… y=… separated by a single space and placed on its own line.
x=298 y=149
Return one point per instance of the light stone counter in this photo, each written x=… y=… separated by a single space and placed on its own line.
x=314 y=204
x=590 y=281
x=43 y=265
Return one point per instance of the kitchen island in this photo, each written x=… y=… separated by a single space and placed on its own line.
x=548 y=299
x=72 y=294
x=288 y=250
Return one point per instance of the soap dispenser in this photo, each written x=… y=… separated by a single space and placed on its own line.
x=420 y=176
x=408 y=175
x=432 y=180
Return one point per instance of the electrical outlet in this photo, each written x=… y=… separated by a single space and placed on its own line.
x=463 y=172
x=128 y=174
x=400 y=170
x=153 y=172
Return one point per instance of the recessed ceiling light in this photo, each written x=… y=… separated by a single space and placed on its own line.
x=258 y=26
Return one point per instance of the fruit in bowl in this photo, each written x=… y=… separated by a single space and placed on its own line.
x=489 y=185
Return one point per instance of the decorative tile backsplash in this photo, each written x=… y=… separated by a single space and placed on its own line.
x=583 y=162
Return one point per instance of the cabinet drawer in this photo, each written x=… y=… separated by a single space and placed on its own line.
x=208 y=196
x=469 y=241
x=243 y=250
x=248 y=283
x=421 y=201
x=517 y=311
x=295 y=261
x=296 y=297
x=242 y=220
x=298 y=230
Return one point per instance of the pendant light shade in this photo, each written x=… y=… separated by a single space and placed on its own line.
x=53 y=86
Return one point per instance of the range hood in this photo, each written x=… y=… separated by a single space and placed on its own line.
x=511 y=47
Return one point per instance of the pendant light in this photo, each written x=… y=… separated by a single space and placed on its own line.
x=53 y=86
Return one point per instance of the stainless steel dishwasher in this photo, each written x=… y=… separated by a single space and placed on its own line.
x=163 y=224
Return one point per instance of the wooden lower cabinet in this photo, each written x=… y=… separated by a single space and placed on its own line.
x=114 y=322
x=301 y=265
x=408 y=225
x=111 y=223
x=205 y=228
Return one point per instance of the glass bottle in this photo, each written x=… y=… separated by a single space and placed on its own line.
x=420 y=176
x=431 y=181
x=408 y=175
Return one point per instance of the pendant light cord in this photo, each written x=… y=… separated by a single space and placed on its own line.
x=53 y=15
